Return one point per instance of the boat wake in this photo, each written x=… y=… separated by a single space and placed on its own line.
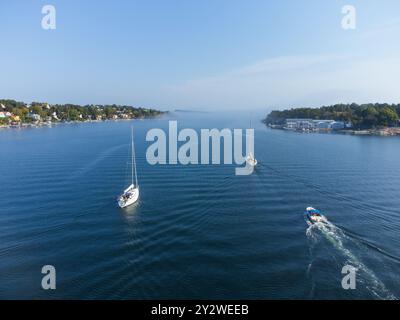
x=338 y=239
x=91 y=165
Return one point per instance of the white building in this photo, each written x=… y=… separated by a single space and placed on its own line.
x=5 y=114
x=311 y=124
x=34 y=116
x=299 y=124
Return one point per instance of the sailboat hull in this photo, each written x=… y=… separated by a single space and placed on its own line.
x=128 y=198
x=251 y=161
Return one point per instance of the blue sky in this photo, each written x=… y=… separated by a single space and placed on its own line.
x=210 y=54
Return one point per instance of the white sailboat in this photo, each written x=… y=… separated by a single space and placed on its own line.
x=250 y=158
x=131 y=194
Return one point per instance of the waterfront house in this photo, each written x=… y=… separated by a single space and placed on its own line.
x=15 y=118
x=338 y=125
x=322 y=124
x=5 y=114
x=34 y=116
x=329 y=125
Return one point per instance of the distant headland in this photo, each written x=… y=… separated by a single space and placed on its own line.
x=19 y=114
x=364 y=119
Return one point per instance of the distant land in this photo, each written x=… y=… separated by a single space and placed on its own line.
x=19 y=114
x=190 y=111
x=373 y=118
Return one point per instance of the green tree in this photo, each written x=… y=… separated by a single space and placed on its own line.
x=370 y=116
x=387 y=117
x=73 y=115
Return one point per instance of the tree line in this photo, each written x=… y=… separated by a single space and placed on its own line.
x=361 y=116
x=73 y=112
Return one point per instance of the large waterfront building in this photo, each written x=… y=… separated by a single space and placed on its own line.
x=312 y=124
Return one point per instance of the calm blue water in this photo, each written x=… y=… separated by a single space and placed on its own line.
x=198 y=231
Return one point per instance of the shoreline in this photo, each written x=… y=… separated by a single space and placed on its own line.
x=383 y=132
x=17 y=115
x=53 y=124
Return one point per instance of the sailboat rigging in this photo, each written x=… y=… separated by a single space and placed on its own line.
x=130 y=194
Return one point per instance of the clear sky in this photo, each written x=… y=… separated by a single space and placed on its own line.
x=224 y=54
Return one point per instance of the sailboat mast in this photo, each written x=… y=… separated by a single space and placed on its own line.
x=134 y=161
